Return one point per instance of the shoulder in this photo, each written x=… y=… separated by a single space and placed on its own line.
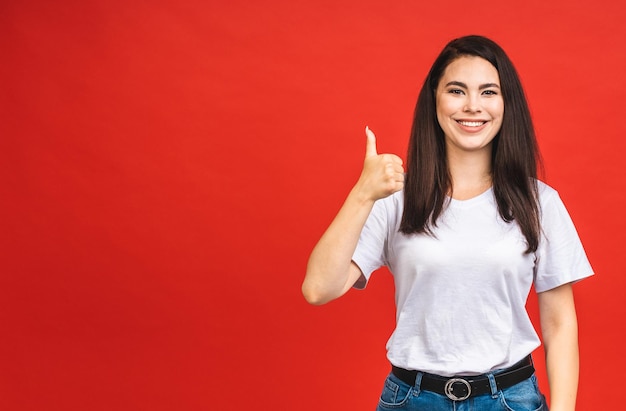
x=390 y=208
x=551 y=205
x=546 y=192
x=394 y=202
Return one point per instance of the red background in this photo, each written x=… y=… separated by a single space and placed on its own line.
x=167 y=167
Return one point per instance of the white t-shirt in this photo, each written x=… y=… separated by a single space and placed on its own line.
x=461 y=294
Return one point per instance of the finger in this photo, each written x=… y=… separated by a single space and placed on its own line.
x=398 y=169
x=370 y=148
x=396 y=159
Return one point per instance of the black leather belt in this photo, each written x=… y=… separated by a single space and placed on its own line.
x=463 y=387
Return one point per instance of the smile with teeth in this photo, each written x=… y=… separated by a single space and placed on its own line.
x=471 y=123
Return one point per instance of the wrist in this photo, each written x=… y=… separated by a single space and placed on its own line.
x=360 y=195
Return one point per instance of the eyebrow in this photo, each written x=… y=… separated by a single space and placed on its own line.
x=481 y=87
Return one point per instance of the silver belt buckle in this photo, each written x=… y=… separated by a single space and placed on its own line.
x=449 y=389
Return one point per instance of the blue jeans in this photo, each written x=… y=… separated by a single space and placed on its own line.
x=399 y=396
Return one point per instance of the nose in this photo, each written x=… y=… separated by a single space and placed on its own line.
x=472 y=105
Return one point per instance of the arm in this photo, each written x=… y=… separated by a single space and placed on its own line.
x=330 y=272
x=559 y=328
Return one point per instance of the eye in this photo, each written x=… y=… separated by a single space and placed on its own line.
x=455 y=91
x=490 y=92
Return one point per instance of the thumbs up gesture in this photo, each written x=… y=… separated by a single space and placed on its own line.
x=382 y=174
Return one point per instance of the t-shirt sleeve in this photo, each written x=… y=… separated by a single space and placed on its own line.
x=560 y=258
x=370 y=251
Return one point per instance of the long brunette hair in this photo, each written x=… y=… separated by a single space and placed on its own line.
x=515 y=154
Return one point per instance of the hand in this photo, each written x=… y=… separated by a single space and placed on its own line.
x=382 y=174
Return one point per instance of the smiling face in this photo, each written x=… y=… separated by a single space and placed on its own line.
x=469 y=104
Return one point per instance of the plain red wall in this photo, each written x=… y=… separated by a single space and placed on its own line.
x=167 y=166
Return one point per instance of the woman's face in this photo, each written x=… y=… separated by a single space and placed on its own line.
x=469 y=104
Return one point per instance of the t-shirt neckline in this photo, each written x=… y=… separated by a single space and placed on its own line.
x=470 y=201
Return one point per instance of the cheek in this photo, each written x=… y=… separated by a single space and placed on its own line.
x=443 y=106
x=497 y=109
x=445 y=109
x=441 y=118
x=498 y=119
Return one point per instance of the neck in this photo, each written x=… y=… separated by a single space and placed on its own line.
x=470 y=173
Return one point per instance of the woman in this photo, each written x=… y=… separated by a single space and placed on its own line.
x=465 y=234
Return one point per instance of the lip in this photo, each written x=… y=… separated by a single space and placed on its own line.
x=472 y=125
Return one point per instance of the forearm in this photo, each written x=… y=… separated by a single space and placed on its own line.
x=328 y=273
x=560 y=335
x=562 y=367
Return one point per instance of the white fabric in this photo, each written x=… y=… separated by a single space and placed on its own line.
x=461 y=295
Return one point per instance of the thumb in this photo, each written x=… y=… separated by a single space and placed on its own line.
x=370 y=148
